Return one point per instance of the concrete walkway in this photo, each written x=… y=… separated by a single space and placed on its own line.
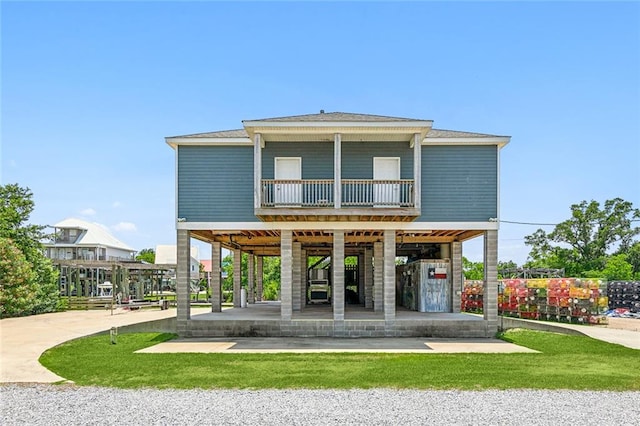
x=24 y=339
x=628 y=338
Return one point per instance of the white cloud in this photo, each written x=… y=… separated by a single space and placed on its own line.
x=88 y=212
x=125 y=226
x=116 y=204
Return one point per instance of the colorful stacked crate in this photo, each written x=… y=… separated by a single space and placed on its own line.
x=514 y=297
x=471 y=298
x=556 y=299
x=624 y=294
x=586 y=301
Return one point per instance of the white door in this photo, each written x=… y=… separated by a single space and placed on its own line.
x=386 y=194
x=288 y=193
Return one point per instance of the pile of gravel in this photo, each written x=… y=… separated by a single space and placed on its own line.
x=71 y=405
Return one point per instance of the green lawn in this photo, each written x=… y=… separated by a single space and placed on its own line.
x=565 y=362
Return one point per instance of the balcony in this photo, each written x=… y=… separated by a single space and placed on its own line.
x=314 y=199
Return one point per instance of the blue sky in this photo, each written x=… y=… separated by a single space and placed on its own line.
x=90 y=90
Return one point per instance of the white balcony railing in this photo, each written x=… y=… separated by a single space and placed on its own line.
x=319 y=193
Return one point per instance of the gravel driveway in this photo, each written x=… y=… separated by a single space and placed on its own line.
x=70 y=405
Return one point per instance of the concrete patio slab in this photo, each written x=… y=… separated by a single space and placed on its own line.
x=315 y=345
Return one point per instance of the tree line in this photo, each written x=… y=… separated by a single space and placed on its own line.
x=597 y=241
x=28 y=280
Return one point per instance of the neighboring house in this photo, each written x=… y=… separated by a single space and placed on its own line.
x=85 y=254
x=76 y=239
x=167 y=255
x=340 y=185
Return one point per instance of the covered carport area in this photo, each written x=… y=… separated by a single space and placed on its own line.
x=377 y=311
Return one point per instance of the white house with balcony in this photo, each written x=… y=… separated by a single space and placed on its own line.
x=77 y=239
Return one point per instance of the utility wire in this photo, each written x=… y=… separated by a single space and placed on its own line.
x=542 y=224
x=528 y=223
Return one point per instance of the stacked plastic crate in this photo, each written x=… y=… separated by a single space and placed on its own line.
x=587 y=301
x=512 y=297
x=471 y=298
x=558 y=299
x=624 y=294
x=555 y=299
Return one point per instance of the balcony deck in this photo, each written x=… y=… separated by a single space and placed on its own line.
x=360 y=199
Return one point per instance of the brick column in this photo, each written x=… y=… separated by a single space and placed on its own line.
x=286 y=276
x=260 y=276
x=296 y=248
x=490 y=296
x=183 y=272
x=303 y=279
x=368 y=278
x=361 y=275
x=251 y=278
x=389 y=269
x=237 y=277
x=337 y=284
x=457 y=278
x=378 y=277
x=216 y=278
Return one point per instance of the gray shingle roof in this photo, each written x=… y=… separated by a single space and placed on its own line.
x=440 y=133
x=237 y=133
x=338 y=116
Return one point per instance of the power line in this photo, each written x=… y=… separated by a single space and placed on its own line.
x=542 y=224
x=528 y=223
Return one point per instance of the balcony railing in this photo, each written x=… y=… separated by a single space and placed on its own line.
x=318 y=193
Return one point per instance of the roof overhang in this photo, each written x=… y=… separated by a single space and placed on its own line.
x=350 y=131
x=501 y=141
x=173 y=142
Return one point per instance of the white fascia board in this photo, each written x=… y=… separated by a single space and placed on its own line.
x=337 y=124
x=500 y=141
x=174 y=142
x=399 y=226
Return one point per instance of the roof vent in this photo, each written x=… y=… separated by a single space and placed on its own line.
x=321 y=111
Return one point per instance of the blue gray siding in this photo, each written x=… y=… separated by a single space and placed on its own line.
x=357 y=158
x=215 y=184
x=317 y=158
x=459 y=183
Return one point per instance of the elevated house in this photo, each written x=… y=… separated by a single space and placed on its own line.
x=77 y=239
x=340 y=185
x=85 y=254
x=94 y=263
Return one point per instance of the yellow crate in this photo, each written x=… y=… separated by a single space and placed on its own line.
x=537 y=283
x=580 y=293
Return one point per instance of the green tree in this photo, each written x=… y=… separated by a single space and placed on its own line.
x=18 y=286
x=617 y=268
x=582 y=243
x=16 y=205
x=147 y=255
x=271 y=278
x=633 y=257
x=270 y=275
x=472 y=270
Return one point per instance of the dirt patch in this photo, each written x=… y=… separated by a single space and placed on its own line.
x=632 y=324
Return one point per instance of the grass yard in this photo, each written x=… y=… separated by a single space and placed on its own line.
x=565 y=362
